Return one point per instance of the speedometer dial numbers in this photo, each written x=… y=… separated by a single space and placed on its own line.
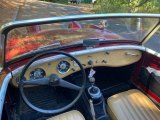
x=63 y=67
x=37 y=73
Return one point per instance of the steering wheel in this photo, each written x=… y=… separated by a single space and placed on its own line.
x=52 y=80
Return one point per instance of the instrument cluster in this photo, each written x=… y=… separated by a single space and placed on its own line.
x=64 y=66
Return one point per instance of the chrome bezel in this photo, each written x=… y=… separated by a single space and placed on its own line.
x=36 y=69
x=59 y=70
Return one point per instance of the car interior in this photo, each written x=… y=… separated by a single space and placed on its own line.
x=93 y=80
x=109 y=92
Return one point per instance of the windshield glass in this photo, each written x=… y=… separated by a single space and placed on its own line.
x=26 y=39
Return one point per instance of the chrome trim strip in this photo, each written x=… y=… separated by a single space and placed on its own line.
x=3 y=91
x=82 y=52
x=153 y=52
x=21 y=23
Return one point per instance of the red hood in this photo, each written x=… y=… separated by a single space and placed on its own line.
x=19 y=45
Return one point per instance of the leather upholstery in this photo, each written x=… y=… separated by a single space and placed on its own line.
x=71 y=115
x=132 y=105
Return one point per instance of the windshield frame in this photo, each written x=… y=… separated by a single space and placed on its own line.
x=4 y=30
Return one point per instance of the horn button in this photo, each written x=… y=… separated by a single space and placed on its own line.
x=54 y=80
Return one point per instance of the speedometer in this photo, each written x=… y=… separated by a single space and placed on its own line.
x=37 y=73
x=63 y=67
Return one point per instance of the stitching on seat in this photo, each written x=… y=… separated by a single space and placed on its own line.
x=69 y=116
x=139 y=110
x=109 y=109
x=149 y=110
x=141 y=105
x=125 y=106
x=133 y=108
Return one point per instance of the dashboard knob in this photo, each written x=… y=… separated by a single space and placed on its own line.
x=104 y=61
x=92 y=80
x=90 y=62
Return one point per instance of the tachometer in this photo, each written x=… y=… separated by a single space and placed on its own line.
x=63 y=67
x=37 y=73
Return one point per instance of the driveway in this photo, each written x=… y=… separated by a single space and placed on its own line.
x=40 y=9
x=32 y=9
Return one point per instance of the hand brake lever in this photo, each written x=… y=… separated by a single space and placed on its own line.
x=92 y=109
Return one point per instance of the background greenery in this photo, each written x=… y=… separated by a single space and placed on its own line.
x=121 y=6
x=136 y=6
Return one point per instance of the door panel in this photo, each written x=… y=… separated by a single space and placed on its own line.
x=147 y=76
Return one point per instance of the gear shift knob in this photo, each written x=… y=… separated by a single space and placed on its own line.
x=94 y=92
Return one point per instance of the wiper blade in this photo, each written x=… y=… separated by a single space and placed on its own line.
x=54 y=45
x=50 y=46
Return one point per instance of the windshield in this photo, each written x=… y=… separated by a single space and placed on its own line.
x=26 y=39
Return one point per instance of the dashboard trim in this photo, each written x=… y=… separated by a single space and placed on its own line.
x=82 y=52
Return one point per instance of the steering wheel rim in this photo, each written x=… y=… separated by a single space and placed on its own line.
x=21 y=84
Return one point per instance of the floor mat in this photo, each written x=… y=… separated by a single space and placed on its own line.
x=44 y=97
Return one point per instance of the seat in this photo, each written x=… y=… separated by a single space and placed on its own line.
x=71 y=115
x=132 y=105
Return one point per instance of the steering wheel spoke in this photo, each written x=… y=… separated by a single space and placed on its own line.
x=68 y=85
x=41 y=81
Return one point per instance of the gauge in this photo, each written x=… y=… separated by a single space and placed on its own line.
x=37 y=73
x=63 y=67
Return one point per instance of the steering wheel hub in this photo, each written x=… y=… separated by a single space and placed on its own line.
x=54 y=80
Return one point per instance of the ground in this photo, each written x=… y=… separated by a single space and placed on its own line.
x=29 y=9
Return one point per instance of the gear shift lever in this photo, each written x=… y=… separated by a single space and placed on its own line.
x=94 y=91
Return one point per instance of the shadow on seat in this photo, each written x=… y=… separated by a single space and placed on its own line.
x=71 y=115
x=132 y=105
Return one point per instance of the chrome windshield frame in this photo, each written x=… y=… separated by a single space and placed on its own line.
x=16 y=24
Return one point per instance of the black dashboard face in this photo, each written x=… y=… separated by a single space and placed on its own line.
x=37 y=73
x=63 y=67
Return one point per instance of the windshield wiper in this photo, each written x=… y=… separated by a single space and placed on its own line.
x=48 y=47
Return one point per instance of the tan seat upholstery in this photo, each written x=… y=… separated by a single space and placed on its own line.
x=132 y=105
x=71 y=115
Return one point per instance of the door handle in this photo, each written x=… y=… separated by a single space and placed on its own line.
x=131 y=54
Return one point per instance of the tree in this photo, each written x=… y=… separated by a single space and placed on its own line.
x=151 y=6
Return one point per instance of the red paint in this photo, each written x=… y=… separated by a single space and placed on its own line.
x=137 y=70
x=147 y=60
x=149 y=92
x=74 y=25
x=17 y=44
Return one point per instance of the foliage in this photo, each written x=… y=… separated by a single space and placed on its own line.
x=147 y=6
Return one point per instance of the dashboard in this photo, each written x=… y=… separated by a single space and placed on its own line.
x=64 y=66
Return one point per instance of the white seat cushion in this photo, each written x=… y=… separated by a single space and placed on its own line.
x=71 y=115
x=132 y=105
